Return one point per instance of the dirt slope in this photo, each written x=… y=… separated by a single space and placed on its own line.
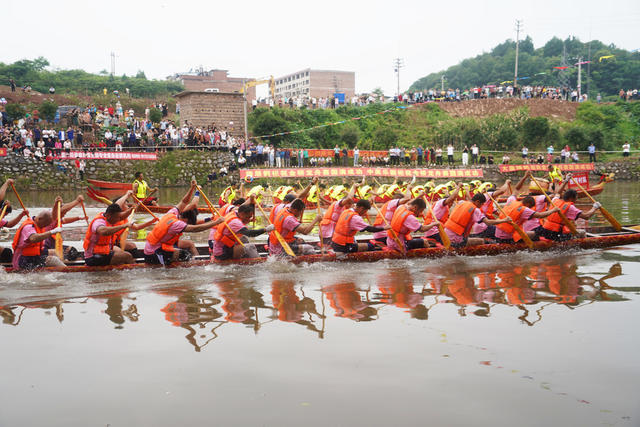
x=551 y=109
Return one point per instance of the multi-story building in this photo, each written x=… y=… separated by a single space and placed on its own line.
x=310 y=83
x=214 y=81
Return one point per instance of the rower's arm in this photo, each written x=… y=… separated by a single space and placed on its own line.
x=305 y=191
x=523 y=180
x=3 y=189
x=68 y=206
x=563 y=185
x=496 y=221
x=373 y=229
x=13 y=222
x=123 y=200
x=452 y=197
x=425 y=227
x=134 y=187
x=136 y=227
x=187 y=197
x=589 y=213
x=39 y=237
x=110 y=231
x=204 y=226
x=72 y=219
x=306 y=228
x=251 y=232
x=545 y=213
x=502 y=189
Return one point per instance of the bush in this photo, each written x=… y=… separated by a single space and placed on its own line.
x=350 y=135
x=535 y=130
x=48 y=110
x=577 y=138
x=155 y=115
x=15 y=111
x=385 y=137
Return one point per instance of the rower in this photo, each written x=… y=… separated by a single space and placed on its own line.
x=228 y=195
x=463 y=217
x=288 y=224
x=141 y=190
x=441 y=211
x=481 y=229
x=519 y=212
x=553 y=228
x=314 y=193
x=404 y=222
x=540 y=200
x=5 y=253
x=3 y=189
x=386 y=213
x=164 y=239
x=120 y=237
x=349 y=223
x=28 y=251
x=99 y=247
x=333 y=213
x=257 y=192
x=226 y=246
x=555 y=177
x=70 y=253
x=289 y=198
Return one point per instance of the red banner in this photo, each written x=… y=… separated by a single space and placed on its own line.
x=569 y=167
x=3 y=152
x=580 y=177
x=107 y=155
x=347 y=171
x=331 y=153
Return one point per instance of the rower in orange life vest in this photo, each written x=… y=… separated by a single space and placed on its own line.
x=519 y=212
x=225 y=245
x=462 y=218
x=99 y=241
x=553 y=228
x=6 y=254
x=288 y=224
x=28 y=252
x=70 y=253
x=330 y=218
x=404 y=222
x=387 y=210
x=481 y=229
x=349 y=223
x=290 y=197
x=120 y=238
x=164 y=239
x=441 y=211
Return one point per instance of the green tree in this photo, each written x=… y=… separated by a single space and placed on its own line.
x=15 y=111
x=155 y=115
x=350 y=135
x=48 y=110
x=535 y=130
x=385 y=137
x=268 y=123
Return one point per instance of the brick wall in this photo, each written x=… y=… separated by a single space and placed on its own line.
x=323 y=83
x=222 y=83
x=204 y=109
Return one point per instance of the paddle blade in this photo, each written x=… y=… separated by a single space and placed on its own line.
x=614 y=222
x=446 y=242
x=284 y=244
x=525 y=237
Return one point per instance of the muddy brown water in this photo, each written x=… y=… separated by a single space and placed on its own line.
x=520 y=339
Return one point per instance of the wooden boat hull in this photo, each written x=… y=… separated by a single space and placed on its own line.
x=108 y=185
x=604 y=241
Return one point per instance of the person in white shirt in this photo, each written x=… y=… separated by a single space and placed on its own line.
x=626 y=149
x=450 y=154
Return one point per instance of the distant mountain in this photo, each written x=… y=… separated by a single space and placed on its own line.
x=606 y=74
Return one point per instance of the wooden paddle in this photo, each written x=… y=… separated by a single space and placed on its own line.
x=605 y=213
x=319 y=195
x=18 y=196
x=519 y=230
x=214 y=211
x=125 y=233
x=570 y=225
x=393 y=234
x=446 y=242
x=283 y=242
x=58 y=237
x=4 y=211
x=86 y=218
x=145 y=207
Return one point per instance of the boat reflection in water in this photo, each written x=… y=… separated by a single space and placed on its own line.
x=527 y=288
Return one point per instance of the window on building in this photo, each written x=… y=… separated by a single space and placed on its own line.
x=307 y=73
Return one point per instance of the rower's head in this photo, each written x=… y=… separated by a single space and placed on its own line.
x=297 y=207
x=570 y=195
x=289 y=198
x=43 y=219
x=245 y=213
x=8 y=205
x=112 y=214
x=416 y=206
x=138 y=175
x=238 y=202
x=190 y=216
x=550 y=168
x=478 y=200
x=362 y=207
x=529 y=202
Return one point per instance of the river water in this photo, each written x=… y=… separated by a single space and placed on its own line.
x=528 y=339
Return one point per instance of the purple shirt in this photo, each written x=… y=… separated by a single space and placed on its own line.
x=440 y=210
x=410 y=224
x=290 y=223
x=479 y=227
x=533 y=223
x=236 y=225
x=175 y=228
x=326 y=231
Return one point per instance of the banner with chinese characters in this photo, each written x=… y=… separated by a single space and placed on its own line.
x=565 y=167
x=107 y=155
x=331 y=153
x=3 y=152
x=347 y=171
x=581 y=177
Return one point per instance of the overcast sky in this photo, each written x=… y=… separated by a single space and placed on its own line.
x=261 y=38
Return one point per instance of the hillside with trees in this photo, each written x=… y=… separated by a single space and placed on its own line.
x=536 y=67
x=33 y=73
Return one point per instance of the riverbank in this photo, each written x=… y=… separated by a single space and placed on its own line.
x=176 y=169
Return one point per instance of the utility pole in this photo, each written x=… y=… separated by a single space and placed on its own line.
x=398 y=63
x=442 y=79
x=113 y=64
x=515 y=74
x=579 y=77
x=244 y=110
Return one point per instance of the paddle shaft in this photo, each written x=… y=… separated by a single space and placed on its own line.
x=393 y=234
x=214 y=211
x=145 y=207
x=446 y=242
x=614 y=222
x=570 y=225
x=85 y=212
x=283 y=242
x=519 y=230
x=18 y=196
x=319 y=195
x=58 y=237
x=4 y=211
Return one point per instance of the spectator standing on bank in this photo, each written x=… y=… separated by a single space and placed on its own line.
x=592 y=152
x=419 y=154
x=356 y=156
x=474 y=154
x=439 y=156
x=626 y=149
x=345 y=156
x=450 y=154
x=525 y=155
x=336 y=155
x=465 y=156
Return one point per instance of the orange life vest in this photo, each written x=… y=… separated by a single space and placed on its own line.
x=104 y=244
x=272 y=214
x=489 y=210
x=160 y=231
x=328 y=215
x=381 y=215
x=397 y=222
x=343 y=234
x=117 y=237
x=288 y=236
x=514 y=210
x=460 y=218
x=428 y=218
x=223 y=235
x=29 y=249
x=554 y=222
